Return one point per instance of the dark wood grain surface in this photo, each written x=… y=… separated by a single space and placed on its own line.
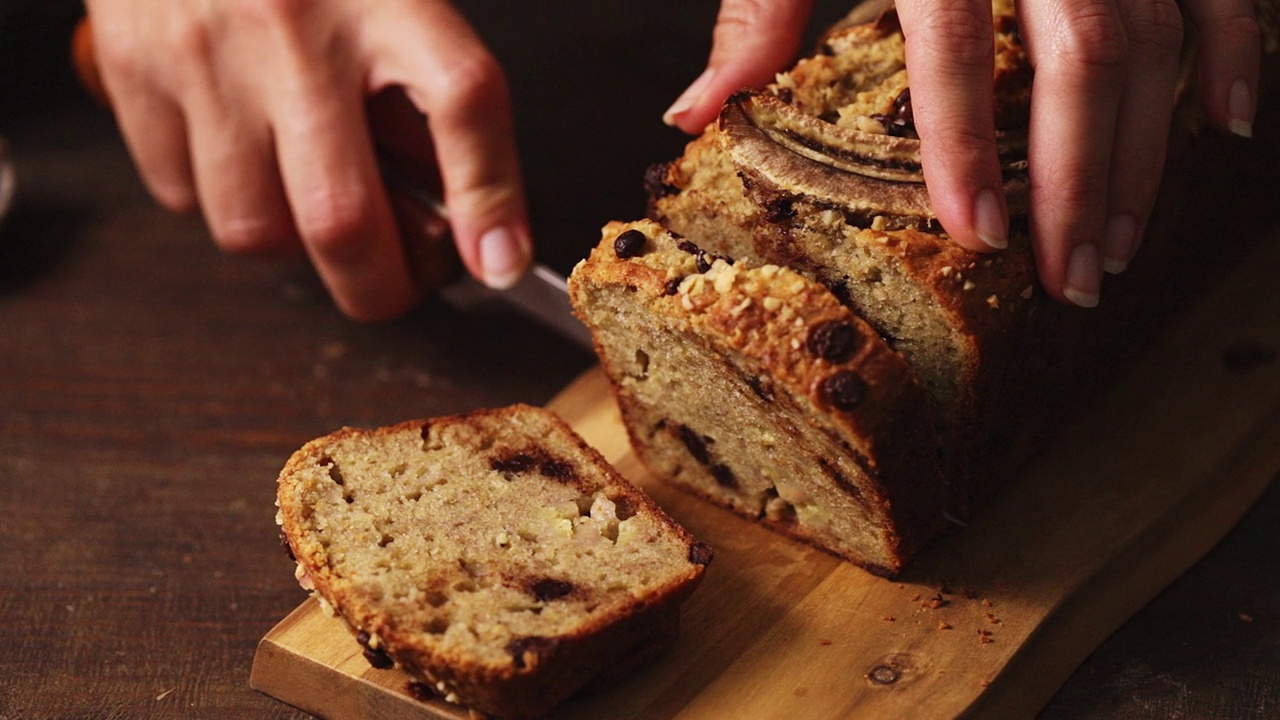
x=151 y=388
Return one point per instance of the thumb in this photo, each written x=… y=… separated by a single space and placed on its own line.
x=753 y=39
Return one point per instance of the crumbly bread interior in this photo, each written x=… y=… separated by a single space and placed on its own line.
x=717 y=390
x=470 y=545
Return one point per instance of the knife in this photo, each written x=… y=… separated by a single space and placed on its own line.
x=541 y=294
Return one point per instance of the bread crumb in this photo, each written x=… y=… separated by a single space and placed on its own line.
x=1246 y=617
x=968 y=285
x=944 y=625
x=993 y=301
x=935 y=602
x=889 y=618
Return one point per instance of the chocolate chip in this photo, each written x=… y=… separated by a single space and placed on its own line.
x=780 y=211
x=557 y=470
x=900 y=121
x=421 y=691
x=551 y=589
x=844 y=390
x=673 y=286
x=833 y=473
x=703 y=261
x=517 y=462
x=700 y=553
x=724 y=476
x=688 y=247
x=1008 y=25
x=902 y=108
x=696 y=444
x=833 y=340
x=655 y=181
x=377 y=657
x=533 y=645
x=630 y=244
x=840 y=288
x=623 y=507
x=284 y=543
x=762 y=389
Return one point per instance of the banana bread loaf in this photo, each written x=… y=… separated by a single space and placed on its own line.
x=493 y=557
x=753 y=387
x=820 y=172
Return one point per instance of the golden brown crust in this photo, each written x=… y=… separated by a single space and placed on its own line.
x=802 y=354
x=490 y=601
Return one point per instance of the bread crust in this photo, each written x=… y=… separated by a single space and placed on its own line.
x=532 y=672
x=767 y=329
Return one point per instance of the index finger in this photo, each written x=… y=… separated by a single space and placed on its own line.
x=431 y=51
x=950 y=62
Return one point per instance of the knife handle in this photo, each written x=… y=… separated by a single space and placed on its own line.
x=425 y=233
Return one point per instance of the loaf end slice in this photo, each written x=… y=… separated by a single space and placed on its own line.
x=753 y=387
x=494 y=557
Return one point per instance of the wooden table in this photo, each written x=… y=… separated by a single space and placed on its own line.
x=151 y=388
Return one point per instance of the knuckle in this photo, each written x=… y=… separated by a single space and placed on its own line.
x=1155 y=26
x=1086 y=189
x=122 y=56
x=276 y=12
x=475 y=80
x=188 y=39
x=960 y=33
x=740 y=16
x=333 y=223
x=1237 y=27
x=247 y=235
x=1092 y=36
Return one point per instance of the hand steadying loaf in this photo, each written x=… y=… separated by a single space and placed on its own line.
x=254 y=112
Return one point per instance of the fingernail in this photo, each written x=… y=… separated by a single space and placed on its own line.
x=503 y=258
x=1240 y=109
x=688 y=98
x=1084 y=276
x=1117 y=243
x=989 y=221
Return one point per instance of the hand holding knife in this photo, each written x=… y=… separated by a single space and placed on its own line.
x=425 y=233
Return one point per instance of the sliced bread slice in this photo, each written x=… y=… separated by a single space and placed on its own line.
x=494 y=557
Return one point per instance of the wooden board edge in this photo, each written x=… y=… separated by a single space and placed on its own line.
x=324 y=690
x=1095 y=610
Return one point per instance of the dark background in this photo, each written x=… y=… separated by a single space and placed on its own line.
x=151 y=387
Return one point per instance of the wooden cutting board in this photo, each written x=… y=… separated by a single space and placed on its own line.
x=987 y=622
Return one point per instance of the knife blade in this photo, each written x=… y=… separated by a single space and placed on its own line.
x=541 y=294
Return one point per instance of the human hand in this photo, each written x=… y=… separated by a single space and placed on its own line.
x=1103 y=96
x=257 y=114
